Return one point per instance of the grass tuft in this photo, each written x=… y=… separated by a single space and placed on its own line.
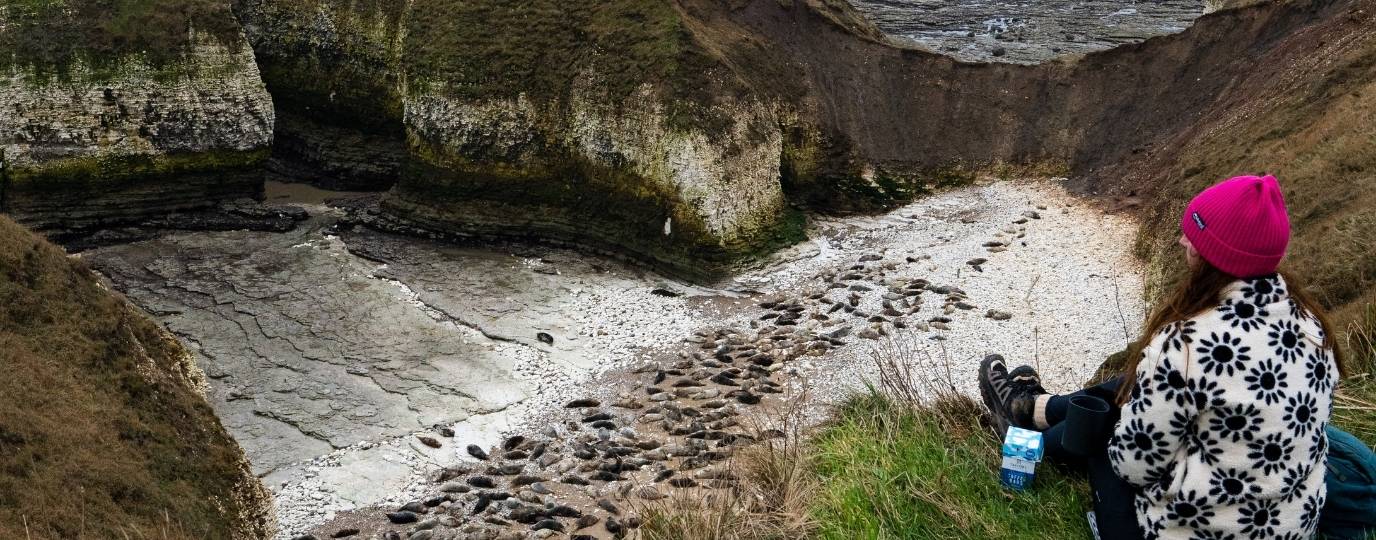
x=1360 y=341
x=892 y=471
x=1354 y=409
x=771 y=499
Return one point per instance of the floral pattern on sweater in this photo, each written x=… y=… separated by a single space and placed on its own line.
x=1224 y=431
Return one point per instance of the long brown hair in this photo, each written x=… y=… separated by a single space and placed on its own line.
x=1201 y=290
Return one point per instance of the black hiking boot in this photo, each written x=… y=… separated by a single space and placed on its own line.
x=1010 y=396
x=1025 y=386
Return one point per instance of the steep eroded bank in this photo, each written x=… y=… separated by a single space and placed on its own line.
x=1304 y=113
x=104 y=427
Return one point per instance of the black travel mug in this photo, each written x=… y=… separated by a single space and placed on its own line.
x=1086 y=425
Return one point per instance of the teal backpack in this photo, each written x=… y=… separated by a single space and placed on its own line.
x=1350 y=513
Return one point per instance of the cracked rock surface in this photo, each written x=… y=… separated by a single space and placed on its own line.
x=1026 y=32
x=334 y=347
x=308 y=348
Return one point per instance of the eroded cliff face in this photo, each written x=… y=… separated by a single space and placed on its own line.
x=617 y=178
x=92 y=144
x=493 y=123
x=615 y=125
x=686 y=133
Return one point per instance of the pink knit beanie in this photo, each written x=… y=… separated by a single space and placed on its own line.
x=1239 y=225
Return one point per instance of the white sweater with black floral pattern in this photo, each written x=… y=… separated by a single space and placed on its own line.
x=1224 y=432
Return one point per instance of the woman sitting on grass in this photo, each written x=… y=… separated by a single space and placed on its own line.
x=1224 y=399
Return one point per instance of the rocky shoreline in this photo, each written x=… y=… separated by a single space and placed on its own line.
x=669 y=426
x=1026 y=33
x=957 y=275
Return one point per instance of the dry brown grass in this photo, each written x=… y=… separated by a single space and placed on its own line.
x=102 y=434
x=918 y=380
x=1313 y=129
x=771 y=500
x=1360 y=341
x=1354 y=408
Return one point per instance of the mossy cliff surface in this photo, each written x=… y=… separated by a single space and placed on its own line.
x=622 y=180
x=104 y=430
x=620 y=124
x=119 y=112
x=502 y=119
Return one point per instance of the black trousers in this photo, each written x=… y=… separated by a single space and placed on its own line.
x=1114 y=510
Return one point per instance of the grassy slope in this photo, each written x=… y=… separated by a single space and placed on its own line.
x=882 y=469
x=493 y=49
x=1307 y=116
x=101 y=433
x=892 y=472
x=931 y=472
x=51 y=34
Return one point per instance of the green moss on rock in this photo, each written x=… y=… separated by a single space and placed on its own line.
x=821 y=171
x=565 y=197
x=332 y=61
x=109 y=171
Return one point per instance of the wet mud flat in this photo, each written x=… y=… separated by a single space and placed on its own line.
x=1027 y=31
